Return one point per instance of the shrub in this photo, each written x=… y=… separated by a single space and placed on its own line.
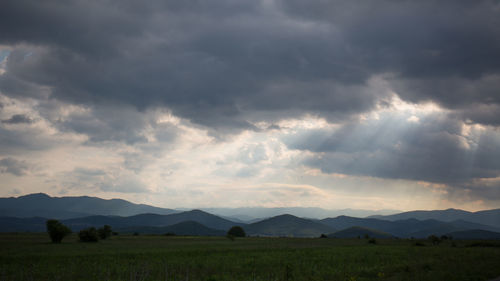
x=372 y=241
x=236 y=231
x=104 y=232
x=88 y=235
x=57 y=231
x=323 y=236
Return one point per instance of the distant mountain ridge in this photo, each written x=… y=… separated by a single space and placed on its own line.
x=29 y=213
x=43 y=205
x=486 y=217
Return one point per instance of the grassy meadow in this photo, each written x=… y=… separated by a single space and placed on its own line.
x=33 y=257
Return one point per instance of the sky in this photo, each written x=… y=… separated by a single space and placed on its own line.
x=236 y=103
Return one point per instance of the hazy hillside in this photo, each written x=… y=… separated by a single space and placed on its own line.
x=288 y=225
x=42 y=205
x=190 y=228
x=487 y=217
x=356 y=231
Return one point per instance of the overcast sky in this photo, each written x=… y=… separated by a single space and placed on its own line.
x=230 y=103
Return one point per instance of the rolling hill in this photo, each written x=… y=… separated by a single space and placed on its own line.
x=288 y=225
x=152 y=220
x=12 y=224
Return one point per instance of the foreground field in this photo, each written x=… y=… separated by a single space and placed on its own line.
x=32 y=257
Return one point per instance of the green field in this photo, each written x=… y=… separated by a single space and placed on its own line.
x=33 y=257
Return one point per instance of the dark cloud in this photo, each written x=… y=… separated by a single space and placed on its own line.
x=22 y=141
x=220 y=64
x=215 y=65
x=13 y=166
x=18 y=119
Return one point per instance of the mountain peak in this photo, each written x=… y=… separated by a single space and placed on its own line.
x=39 y=195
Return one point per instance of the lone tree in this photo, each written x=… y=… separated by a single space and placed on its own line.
x=236 y=231
x=88 y=235
x=105 y=232
x=57 y=231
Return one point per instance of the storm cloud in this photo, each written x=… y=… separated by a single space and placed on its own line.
x=105 y=74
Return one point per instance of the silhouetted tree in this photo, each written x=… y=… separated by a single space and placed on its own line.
x=57 y=231
x=104 y=232
x=236 y=231
x=88 y=235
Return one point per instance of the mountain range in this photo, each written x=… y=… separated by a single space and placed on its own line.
x=127 y=217
x=40 y=204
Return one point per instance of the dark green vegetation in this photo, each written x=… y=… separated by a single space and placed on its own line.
x=104 y=232
x=236 y=231
x=88 y=235
x=57 y=231
x=33 y=257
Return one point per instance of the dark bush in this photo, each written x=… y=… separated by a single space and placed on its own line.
x=419 y=244
x=372 y=241
x=169 y=234
x=434 y=240
x=104 y=232
x=57 y=231
x=88 y=235
x=236 y=231
x=323 y=236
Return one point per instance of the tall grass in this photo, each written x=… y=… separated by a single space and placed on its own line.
x=33 y=257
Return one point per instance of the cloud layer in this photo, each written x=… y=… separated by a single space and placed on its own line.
x=394 y=90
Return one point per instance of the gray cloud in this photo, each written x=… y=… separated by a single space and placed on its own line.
x=106 y=180
x=18 y=119
x=13 y=166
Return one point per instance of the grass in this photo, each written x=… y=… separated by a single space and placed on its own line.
x=33 y=257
